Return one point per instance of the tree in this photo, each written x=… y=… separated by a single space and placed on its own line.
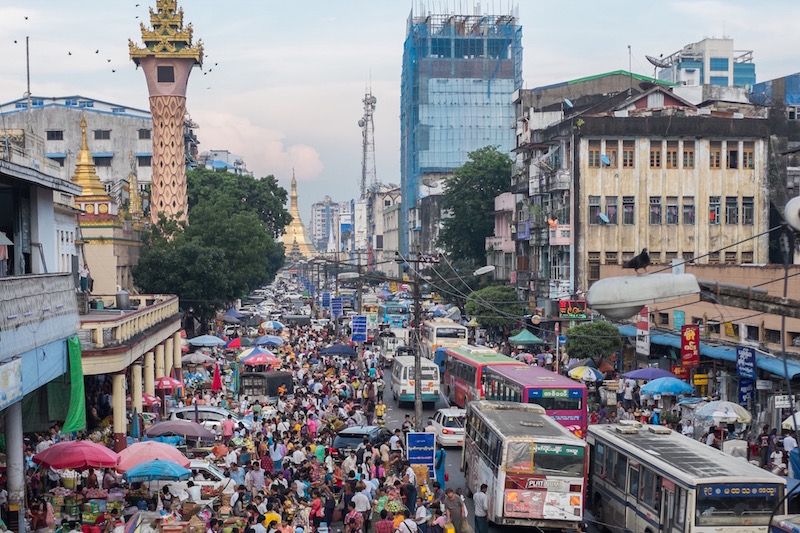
x=593 y=340
x=495 y=306
x=469 y=197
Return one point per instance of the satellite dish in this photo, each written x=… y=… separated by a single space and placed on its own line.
x=603 y=218
x=483 y=270
x=361 y=123
x=568 y=103
x=657 y=62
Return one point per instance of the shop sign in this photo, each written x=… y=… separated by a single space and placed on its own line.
x=700 y=379
x=690 y=346
x=421 y=450
x=746 y=391
x=782 y=402
x=678 y=319
x=746 y=362
x=573 y=309
x=10 y=382
x=643 y=332
x=680 y=372
x=763 y=384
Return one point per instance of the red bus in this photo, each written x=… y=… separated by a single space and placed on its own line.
x=563 y=399
x=463 y=371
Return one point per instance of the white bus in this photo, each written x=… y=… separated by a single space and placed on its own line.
x=403 y=380
x=442 y=333
x=534 y=467
x=651 y=479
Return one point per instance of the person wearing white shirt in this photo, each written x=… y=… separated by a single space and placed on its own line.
x=298 y=456
x=193 y=492
x=789 y=443
x=688 y=429
x=481 y=501
x=231 y=458
x=412 y=477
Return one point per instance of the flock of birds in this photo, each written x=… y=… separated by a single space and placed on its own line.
x=114 y=67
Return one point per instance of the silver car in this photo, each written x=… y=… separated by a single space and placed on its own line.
x=209 y=416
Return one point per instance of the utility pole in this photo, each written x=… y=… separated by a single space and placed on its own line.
x=416 y=261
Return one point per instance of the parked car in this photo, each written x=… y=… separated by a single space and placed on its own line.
x=449 y=426
x=204 y=474
x=209 y=416
x=350 y=438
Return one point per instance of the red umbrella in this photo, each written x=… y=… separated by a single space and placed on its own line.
x=78 y=455
x=143 y=452
x=235 y=343
x=261 y=359
x=167 y=383
x=147 y=400
x=216 y=381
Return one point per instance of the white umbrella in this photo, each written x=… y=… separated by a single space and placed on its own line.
x=723 y=411
x=788 y=424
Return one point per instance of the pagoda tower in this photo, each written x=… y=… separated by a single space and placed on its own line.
x=295 y=240
x=94 y=201
x=167 y=59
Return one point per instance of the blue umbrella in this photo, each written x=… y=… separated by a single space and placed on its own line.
x=339 y=349
x=667 y=387
x=206 y=340
x=272 y=324
x=234 y=313
x=157 y=469
x=269 y=340
x=648 y=373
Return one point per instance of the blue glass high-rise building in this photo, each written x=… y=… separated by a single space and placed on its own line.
x=459 y=76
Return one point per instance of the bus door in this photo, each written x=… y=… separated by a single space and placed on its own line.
x=668 y=517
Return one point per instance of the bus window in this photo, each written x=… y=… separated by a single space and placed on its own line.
x=620 y=466
x=608 y=468
x=599 y=459
x=680 y=506
x=633 y=483
x=649 y=493
x=520 y=457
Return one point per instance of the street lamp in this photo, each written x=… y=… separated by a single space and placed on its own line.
x=484 y=270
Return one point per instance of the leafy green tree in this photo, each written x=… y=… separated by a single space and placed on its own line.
x=593 y=340
x=469 y=197
x=495 y=306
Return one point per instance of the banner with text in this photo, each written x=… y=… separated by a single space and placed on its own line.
x=690 y=346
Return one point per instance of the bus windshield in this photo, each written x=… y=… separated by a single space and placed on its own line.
x=736 y=504
x=527 y=457
x=451 y=333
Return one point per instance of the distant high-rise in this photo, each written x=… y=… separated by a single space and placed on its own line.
x=323 y=217
x=711 y=61
x=459 y=75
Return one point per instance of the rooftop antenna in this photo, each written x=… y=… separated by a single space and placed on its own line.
x=630 y=71
x=28 y=70
x=368 y=172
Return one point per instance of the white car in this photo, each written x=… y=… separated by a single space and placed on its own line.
x=448 y=425
x=204 y=474
x=209 y=416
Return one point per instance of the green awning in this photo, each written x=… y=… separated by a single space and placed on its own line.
x=525 y=338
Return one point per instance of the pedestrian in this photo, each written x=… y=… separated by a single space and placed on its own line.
x=454 y=507
x=481 y=501
x=440 y=462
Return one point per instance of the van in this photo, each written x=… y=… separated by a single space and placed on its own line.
x=403 y=380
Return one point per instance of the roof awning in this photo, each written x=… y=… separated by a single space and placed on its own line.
x=764 y=361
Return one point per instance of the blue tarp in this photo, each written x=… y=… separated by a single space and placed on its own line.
x=768 y=363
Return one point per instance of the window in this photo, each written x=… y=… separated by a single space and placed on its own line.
x=715 y=154
x=747 y=257
x=102 y=162
x=594 y=154
x=719 y=81
x=713 y=258
x=628 y=210
x=793 y=112
x=144 y=134
x=688 y=256
x=733 y=154
x=751 y=333
x=655 y=154
x=55 y=135
x=663 y=319
x=594 y=210
x=628 y=154
x=611 y=209
x=102 y=135
x=731 y=210
x=670 y=256
x=655 y=210
x=688 y=154
x=730 y=258
x=611 y=258
x=718 y=63
x=144 y=160
x=688 y=209
x=748 y=155
x=633 y=481
x=594 y=266
x=620 y=469
x=713 y=326
x=713 y=209
x=165 y=74
x=672 y=209
x=748 y=210
x=772 y=336
x=59 y=160
x=611 y=154
x=627 y=256
x=672 y=154
x=649 y=491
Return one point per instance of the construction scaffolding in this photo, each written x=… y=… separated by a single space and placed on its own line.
x=459 y=75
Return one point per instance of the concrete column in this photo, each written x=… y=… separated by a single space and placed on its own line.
x=176 y=356
x=136 y=387
x=118 y=404
x=149 y=386
x=159 y=361
x=15 y=471
x=168 y=353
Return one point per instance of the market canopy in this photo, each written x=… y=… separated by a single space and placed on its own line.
x=77 y=455
x=206 y=340
x=269 y=340
x=667 y=387
x=198 y=358
x=525 y=338
x=156 y=470
x=143 y=452
x=254 y=351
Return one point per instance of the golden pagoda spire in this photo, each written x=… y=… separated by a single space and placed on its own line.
x=85 y=171
x=167 y=37
x=295 y=238
x=135 y=202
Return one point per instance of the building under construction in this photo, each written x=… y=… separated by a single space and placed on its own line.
x=459 y=75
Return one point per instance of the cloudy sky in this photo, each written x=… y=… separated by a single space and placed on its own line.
x=288 y=75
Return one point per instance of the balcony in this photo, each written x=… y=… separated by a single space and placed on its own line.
x=109 y=327
x=523 y=230
x=36 y=310
x=519 y=180
x=560 y=180
x=500 y=244
x=560 y=235
x=559 y=289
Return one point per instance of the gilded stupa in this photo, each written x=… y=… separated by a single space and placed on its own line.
x=94 y=200
x=295 y=240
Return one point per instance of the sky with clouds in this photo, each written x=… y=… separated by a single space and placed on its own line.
x=288 y=75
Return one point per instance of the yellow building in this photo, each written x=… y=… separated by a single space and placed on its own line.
x=296 y=242
x=110 y=240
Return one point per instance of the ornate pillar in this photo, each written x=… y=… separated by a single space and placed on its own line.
x=176 y=356
x=136 y=387
x=149 y=374
x=159 y=361
x=168 y=353
x=118 y=404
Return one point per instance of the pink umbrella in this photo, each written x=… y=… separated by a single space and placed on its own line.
x=78 y=455
x=148 y=400
x=167 y=383
x=143 y=452
x=261 y=359
x=216 y=381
